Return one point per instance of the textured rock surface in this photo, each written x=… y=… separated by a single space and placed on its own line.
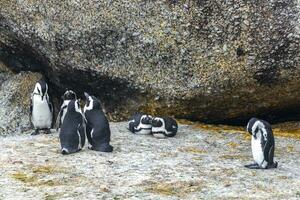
x=197 y=164
x=216 y=60
x=15 y=90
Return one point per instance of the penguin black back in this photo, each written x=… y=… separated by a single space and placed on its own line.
x=72 y=133
x=140 y=123
x=98 y=130
x=164 y=127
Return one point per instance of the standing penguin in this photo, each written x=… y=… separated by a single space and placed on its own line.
x=41 y=110
x=67 y=97
x=164 y=127
x=262 y=144
x=97 y=129
x=140 y=123
x=72 y=133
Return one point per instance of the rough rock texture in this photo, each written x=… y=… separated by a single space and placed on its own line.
x=196 y=164
x=208 y=60
x=15 y=90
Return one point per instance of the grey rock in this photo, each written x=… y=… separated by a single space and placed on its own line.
x=136 y=48
x=15 y=93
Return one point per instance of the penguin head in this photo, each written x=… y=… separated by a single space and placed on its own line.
x=157 y=122
x=69 y=95
x=253 y=126
x=250 y=124
x=41 y=88
x=146 y=119
x=92 y=103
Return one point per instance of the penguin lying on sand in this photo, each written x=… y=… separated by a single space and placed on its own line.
x=67 y=97
x=72 y=133
x=97 y=129
x=164 y=127
x=140 y=124
x=262 y=144
x=41 y=110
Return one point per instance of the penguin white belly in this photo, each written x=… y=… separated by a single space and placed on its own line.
x=41 y=114
x=143 y=129
x=257 y=151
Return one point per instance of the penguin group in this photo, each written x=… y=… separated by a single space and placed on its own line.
x=159 y=127
x=74 y=126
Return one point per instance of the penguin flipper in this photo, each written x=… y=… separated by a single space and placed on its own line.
x=88 y=134
x=268 y=149
x=58 y=120
x=52 y=113
x=272 y=164
x=30 y=113
x=131 y=126
x=81 y=130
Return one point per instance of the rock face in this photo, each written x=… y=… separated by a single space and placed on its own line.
x=204 y=60
x=15 y=90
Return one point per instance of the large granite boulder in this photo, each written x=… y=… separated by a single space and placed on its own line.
x=206 y=60
x=15 y=90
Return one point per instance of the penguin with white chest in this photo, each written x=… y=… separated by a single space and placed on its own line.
x=67 y=97
x=97 y=128
x=262 y=144
x=41 y=110
x=140 y=124
x=163 y=127
x=72 y=133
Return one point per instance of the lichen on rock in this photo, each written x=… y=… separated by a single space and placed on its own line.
x=206 y=61
x=15 y=91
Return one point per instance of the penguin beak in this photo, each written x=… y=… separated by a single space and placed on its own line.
x=86 y=95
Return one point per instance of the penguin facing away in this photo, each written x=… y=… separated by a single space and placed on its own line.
x=72 y=133
x=262 y=144
x=97 y=128
x=41 y=110
x=67 y=97
x=140 y=123
x=163 y=127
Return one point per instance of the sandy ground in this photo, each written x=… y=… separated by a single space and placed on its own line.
x=196 y=164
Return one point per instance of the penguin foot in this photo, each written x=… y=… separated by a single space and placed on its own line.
x=274 y=165
x=252 y=166
x=47 y=131
x=103 y=148
x=36 y=132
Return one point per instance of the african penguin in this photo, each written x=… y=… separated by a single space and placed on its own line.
x=72 y=133
x=41 y=110
x=97 y=129
x=67 y=97
x=262 y=144
x=140 y=124
x=164 y=127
